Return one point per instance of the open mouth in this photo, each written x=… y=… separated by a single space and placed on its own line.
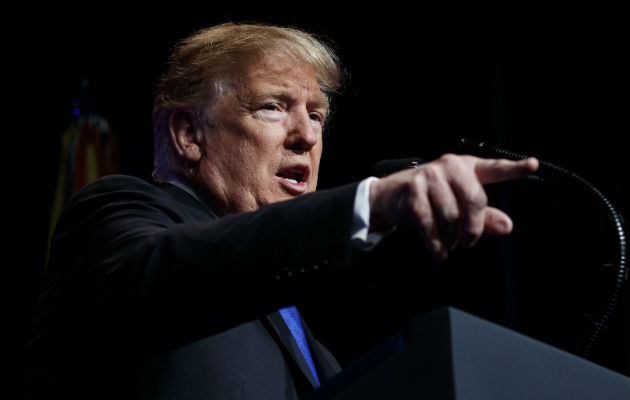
x=294 y=178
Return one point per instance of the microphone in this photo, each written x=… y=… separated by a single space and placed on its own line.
x=387 y=167
x=556 y=174
x=547 y=172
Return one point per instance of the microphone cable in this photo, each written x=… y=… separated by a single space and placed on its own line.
x=551 y=172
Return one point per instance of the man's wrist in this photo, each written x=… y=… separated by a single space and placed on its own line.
x=364 y=236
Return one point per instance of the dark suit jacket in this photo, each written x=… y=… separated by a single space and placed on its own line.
x=150 y=295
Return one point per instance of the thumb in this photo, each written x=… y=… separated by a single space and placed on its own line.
x=497 y=222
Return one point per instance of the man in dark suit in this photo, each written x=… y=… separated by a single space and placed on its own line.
x=185 y=288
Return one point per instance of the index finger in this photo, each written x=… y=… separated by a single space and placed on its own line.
x=489 y=170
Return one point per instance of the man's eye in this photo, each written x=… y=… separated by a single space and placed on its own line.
x=271 y=107
x=317 y=117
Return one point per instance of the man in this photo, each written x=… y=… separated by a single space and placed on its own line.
x=185 y=288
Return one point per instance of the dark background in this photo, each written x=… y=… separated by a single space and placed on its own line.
x=548 y=82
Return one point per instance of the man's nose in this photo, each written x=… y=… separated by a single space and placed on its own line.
x=303 y=133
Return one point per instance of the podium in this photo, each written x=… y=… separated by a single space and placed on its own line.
x=449 y=354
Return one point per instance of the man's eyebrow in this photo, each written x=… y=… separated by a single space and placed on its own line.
x=321 y=102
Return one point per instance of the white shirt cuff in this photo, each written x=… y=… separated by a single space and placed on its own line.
x=361 y=236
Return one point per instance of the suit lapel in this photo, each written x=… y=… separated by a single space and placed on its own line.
x=325 y=363
x=287 y=341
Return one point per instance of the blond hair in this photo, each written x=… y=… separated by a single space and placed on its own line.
x=198 y=61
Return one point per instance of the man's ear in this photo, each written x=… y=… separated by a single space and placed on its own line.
x=184 y=135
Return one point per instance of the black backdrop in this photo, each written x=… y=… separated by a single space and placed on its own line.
x=548 y=82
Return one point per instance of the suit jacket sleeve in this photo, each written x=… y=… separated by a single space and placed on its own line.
x=130 y=262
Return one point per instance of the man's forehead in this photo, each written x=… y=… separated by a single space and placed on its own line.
x=279 y=76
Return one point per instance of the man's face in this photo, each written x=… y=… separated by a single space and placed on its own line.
x=263 y=141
